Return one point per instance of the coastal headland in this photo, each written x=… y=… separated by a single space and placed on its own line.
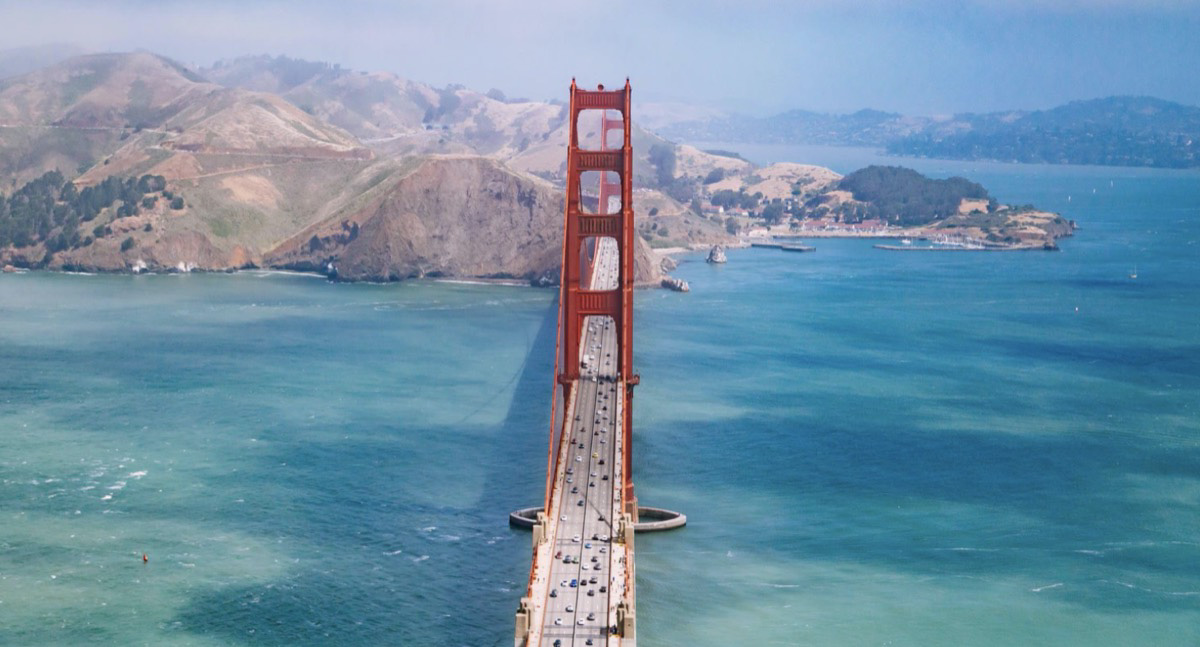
x=136 y=163
x=798 y=201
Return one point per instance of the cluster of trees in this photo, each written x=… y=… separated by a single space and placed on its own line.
x=774 y=212
x=902 y=196
x=662 y=157
x=295 y=71
x=448 y=102
x=724 y=153
x=50 y=208
x=290 y=72
x=731 y=199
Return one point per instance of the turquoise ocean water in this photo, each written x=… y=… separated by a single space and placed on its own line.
x=872 y=448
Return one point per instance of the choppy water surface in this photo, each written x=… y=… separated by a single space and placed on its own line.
x=872 y=447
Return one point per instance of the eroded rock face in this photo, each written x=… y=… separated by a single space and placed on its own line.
x=678 y=285
x=716 y=254
x=648 y=271
x=459 y=217
x=467 y=217
x=462 y=216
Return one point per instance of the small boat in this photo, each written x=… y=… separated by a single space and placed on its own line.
x=905 y=241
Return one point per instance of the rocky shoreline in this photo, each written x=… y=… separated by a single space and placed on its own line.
x=540 y=282
x=676 y=285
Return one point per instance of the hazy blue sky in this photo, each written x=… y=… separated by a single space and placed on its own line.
x=925 y=57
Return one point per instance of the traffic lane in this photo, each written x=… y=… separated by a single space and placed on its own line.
x=569 y=523
x=571 y=519
x=591 y=604
x=593 y=403
x=582 y=568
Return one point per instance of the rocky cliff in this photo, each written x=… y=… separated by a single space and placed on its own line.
x=460 y=216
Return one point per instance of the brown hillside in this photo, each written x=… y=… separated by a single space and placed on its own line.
x=255 y=178
x=452 y=216
x=100 y=91
x=397 y=117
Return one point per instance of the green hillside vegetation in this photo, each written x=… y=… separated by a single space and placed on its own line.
x=730 y=199
x=902 y=196
x=50 y=209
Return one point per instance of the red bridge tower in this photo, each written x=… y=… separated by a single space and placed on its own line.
x=582 y=229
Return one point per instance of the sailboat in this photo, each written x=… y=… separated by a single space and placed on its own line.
x=1133 y=274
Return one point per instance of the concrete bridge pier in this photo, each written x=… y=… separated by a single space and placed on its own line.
x=626 y=621
x=523 y=615
x=649 y=520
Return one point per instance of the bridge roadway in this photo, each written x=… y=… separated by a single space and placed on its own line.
x=575 y=603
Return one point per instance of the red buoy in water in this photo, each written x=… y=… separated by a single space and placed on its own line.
x=144 y=558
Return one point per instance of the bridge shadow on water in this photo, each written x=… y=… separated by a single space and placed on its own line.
x=382 y=567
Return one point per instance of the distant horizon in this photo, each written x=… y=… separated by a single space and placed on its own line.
x=920 y=57
x=81 y=51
